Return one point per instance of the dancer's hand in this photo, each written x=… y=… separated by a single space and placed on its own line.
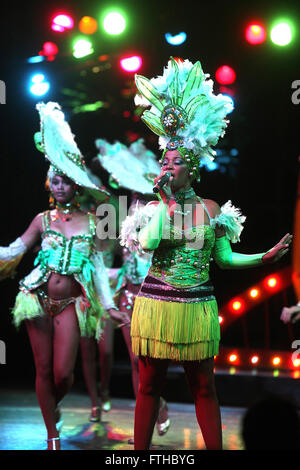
x=165 y=193
x=122 y=318
x=279 y=250
x=290 y=314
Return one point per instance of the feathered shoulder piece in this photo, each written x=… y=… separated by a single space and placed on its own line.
x=231 y=219
x=133 y=223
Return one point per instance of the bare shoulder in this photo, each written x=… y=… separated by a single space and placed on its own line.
x=212 y=206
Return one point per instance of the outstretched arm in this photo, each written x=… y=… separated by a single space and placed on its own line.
x=11 y=255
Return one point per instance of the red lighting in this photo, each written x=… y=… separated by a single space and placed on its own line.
x=254 y=359
x=221 y=319
x=225 y=75
x=255 y=34
x=272 y=282
x=276 y=361
x=49 y=49
x=131 y=64
x=126 y=114
x=232 y=358
x=254 y=293
x=296 y=363
x=62 y=22
x=237 y=306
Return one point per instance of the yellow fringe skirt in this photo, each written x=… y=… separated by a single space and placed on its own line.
x=180 y=331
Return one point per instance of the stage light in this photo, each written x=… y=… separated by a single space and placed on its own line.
x=39 y=86
x=88 y=25
x=272 y=282
x=254 y=359
x=276 y=361
x=296 y=374
x=82 y=48
x=131 y=64
x=232 y=370
x=175 y=40
x=254 y=293
x=221 y=319
x=114 y=23
x=237 y=306
x=49 y=49
x=232 y=358
x=225 y=75
x=35 y=60
x=255 y=34
x=296 y=363
x=281 y=34
x=62 y=22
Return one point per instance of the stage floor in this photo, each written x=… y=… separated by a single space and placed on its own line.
x=22 y=427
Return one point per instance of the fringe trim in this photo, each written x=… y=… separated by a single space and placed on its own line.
x=176 y=352
x=175 y=322
x=28 y=307
x=8 y=268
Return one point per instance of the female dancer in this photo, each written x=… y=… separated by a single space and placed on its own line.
x=65 y=295
x=120 y=162
x=175 y=314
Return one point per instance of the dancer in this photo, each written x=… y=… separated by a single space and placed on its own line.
x=175 y=315
x=120 y=161
x=66 y=294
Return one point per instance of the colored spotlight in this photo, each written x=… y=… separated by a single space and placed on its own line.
x=221 y=319
x=82 y=48
x=276 y=361
x=177 y=39
x=49 y=49
x=62 y=22
x=296 y=363
x=281 y=34
x=114 y=23
x=255 y=34
x=232 y=358
x=254 y=360
x=254 y=293
x=225 y=75
x=88 y=25
x=237 y=306
x=39 y=86
x=131 y=64
x=272 y=282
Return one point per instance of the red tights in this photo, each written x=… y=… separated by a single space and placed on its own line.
x=200 y=377
x=54 y=344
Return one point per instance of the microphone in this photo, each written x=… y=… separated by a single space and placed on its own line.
x=163 y=180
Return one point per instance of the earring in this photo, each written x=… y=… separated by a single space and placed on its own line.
x=51 y=201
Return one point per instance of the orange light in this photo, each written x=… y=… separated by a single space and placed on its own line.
x=254 y=293
x=296 y=362
x=254 y=359
x=221 y=319
x=236 y=305
x=88 y=25
x=232 y=358
x=276 y=361
x=272 y=282
x=296 y=374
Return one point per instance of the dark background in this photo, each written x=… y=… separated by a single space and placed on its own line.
x=264 y=127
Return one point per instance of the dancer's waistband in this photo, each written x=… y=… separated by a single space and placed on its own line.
x=157 y=289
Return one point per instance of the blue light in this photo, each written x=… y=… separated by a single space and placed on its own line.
x=36 y=59
x=175 y=40
x=230 y=100
x=39 y=86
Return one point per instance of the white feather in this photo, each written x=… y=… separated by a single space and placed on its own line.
x=231 y=219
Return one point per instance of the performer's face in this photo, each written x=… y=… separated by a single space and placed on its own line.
x=62 y=188
x=175 y=164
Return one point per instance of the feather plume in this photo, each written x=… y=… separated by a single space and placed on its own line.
x=231 y=219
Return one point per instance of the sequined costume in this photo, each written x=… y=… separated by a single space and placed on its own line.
x=75 y=257
x=175 y=314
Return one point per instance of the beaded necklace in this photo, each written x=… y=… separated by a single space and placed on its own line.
x=64 y=211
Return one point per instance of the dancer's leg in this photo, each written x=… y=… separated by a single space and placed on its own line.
x=201 y=381
x=133 y=359
x=105 y=346
x=88 y=360
x=40 y=332
x=152 y=374
x=65 y=345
